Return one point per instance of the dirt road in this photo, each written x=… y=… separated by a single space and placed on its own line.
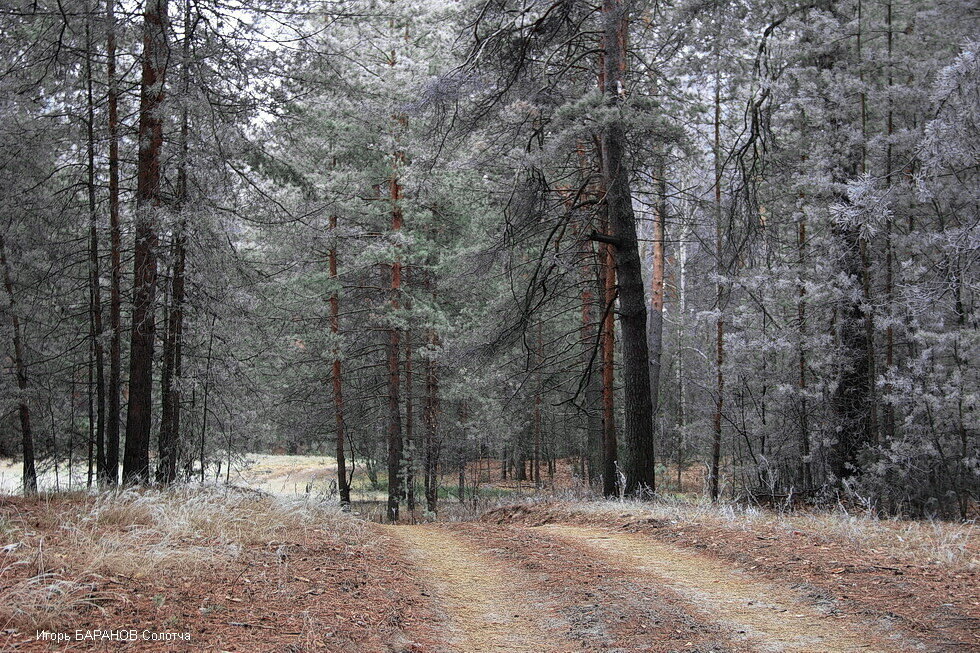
x=572 y=588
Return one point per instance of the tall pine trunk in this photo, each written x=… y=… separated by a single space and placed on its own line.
x=853 y=400
x=170 y=447
x=536 y=418
x=888 y=426
x=805 y=462
x=715 y=473
x=607 y=344
x=591 y=290
x=430 y=416
x=139 y=418
x=343 y=483
x=394 y=360
x=655 y=324
x=29 y=475
x=95 y=290
x=409 y=427
x=115 y=236
x=638 y=462
x=593 y=391
x=607 y=280
x=681 y=331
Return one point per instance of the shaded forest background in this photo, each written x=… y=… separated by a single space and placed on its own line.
x=643 y=237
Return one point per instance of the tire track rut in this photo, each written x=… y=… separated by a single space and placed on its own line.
x=486 y=606
x=575 y=588
x=769 y=617
x=603 y=606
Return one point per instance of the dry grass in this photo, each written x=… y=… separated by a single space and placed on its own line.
x=55 y=550
x=134 y=533
x=39 y=600
x=47 y=602
x=226 y=515
x=951 y=545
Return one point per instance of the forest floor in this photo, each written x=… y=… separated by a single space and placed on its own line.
x=242 y=570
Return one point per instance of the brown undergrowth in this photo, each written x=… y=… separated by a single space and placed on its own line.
x=237 y=570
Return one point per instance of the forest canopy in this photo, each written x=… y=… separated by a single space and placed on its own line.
x=733 y=239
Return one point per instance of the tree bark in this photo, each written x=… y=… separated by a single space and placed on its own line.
x=536 y=418
x=95 y=290
x=409 y=427
x=431 y=418
x=170 y=445
x=715 y=474
x=638 y=461
x=115 y=245
x=889 y=417
x=805 y=462
x=593 y=391
x=853 y=400
x=29 y=475
x=607 y=338
x=394 y=362
x=599 y=272
x=136 y=461
x=655 y=324
x=681 y=330
x=343 y=483
x=610 y=446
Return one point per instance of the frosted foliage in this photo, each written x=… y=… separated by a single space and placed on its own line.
x=408 y=198
x=952 y=137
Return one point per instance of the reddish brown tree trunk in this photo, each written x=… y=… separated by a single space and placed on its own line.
x=136 y=461
x=607 y=328
x=607 y=344
x=638 y=461
x=593 y=390
x=655 y=325
x=591 y=288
